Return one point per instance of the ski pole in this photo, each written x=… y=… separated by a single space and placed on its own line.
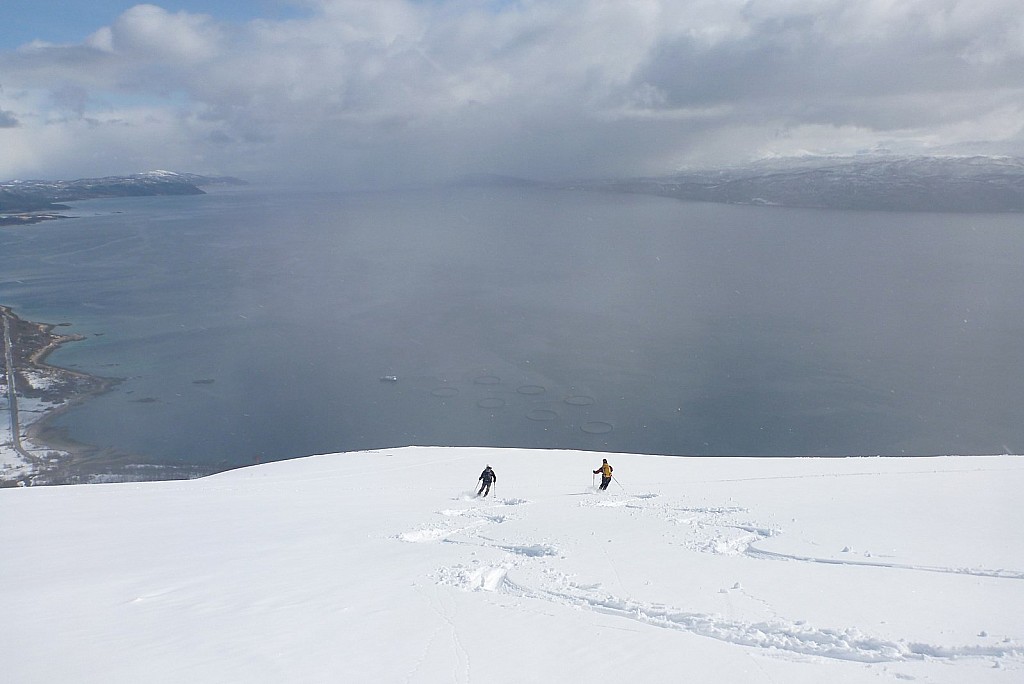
x=618 y=483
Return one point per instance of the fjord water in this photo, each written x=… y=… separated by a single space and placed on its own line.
x=259 y=324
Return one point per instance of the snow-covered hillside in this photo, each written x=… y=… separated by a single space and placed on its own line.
x=866 y=182
x=35 y=195
x=383 y=567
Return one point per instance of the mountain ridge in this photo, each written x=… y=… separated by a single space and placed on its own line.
x=871 y=183
x=27 y=198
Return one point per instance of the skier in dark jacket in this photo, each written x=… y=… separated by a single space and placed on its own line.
x=606 y=473
x=485 y=480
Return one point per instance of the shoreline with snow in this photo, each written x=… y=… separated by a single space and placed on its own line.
x=36 y=454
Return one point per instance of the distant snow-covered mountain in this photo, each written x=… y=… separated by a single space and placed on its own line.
x=39 y=195
x=883 y=183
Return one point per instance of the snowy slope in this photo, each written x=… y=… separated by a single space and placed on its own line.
x=382 y=567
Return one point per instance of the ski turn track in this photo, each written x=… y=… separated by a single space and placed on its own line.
x=528 y=572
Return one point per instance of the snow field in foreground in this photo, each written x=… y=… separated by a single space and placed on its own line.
x=384 y=566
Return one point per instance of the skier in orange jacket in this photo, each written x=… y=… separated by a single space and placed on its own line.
x=606 y=473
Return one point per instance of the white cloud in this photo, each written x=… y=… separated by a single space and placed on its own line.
x=399 y=90
x=103 y=39
x=151 y=32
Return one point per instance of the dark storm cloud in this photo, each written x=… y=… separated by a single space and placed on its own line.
x=398 y=91
x=804 y=67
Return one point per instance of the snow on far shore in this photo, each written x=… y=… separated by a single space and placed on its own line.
x=383 y=566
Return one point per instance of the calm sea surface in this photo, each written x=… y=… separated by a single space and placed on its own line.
x=259 y=324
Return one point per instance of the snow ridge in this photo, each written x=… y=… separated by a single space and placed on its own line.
x=374 y=566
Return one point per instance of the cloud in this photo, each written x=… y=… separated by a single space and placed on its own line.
x=149 y=32
x=381 y=91
x=8 y=120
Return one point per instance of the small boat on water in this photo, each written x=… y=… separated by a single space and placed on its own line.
x=389 y=378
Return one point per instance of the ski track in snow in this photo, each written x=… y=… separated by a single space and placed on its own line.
x=477 y=516
x=795 y=637
x=754 y=552
x=717 y=532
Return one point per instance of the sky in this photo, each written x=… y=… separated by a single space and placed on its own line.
x=389 y=92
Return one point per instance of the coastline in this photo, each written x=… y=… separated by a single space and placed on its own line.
x=27 y=218
x=31 y=451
